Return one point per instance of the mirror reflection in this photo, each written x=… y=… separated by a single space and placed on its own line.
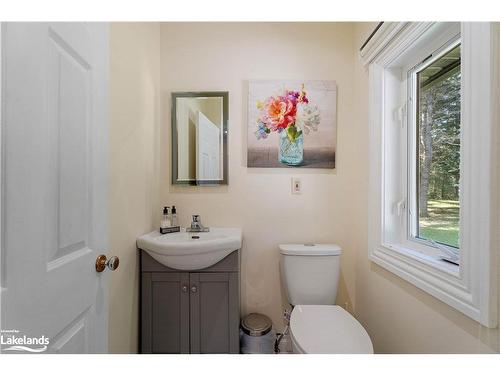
x=199 y=138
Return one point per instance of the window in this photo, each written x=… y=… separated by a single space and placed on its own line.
x=432 y=214
x=434 y=163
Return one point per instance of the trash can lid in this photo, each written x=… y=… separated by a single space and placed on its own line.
x=256 y=324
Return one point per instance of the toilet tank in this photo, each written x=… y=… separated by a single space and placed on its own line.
x=310 y=273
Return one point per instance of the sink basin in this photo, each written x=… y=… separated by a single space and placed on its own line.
x=190 y=250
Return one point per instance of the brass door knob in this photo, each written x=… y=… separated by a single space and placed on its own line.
x=102 y=262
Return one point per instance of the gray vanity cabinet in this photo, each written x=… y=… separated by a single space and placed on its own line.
x=190 y=311
x=165 y=312
x=214 y=312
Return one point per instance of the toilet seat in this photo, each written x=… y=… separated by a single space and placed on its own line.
x=327 y=329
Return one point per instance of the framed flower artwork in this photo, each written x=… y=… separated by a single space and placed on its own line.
x=292 y=124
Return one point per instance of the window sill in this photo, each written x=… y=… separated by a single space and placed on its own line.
x=434 y=276
x=426 y=259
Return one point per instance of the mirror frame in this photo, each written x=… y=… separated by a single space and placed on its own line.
x=174 y=141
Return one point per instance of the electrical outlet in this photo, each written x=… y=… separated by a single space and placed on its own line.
x=296 y=186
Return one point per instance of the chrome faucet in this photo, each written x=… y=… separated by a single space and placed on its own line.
x=196 y=225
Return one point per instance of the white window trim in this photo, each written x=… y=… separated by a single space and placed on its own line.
x=472 y=287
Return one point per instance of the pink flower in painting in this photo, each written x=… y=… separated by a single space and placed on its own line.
x=289 y=111
x=280 y=112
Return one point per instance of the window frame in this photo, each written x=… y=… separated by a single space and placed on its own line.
x=472 y=287
x=412 y=209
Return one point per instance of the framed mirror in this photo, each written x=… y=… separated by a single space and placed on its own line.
x=199 y=138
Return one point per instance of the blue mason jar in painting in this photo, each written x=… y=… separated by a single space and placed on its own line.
x=291 y=152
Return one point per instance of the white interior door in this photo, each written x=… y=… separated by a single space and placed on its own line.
x=54 y=184
x=207 y=149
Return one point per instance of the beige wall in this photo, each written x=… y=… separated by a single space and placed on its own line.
x=133 y=180
x=223 y=56
x=399 y=317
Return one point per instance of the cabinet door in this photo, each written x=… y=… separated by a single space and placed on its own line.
x=214 y=311
x=165 y=313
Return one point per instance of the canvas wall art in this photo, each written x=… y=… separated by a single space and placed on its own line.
x=292 y=124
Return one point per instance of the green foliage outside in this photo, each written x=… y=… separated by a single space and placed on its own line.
x=440 y=132
x=442 y=223
x=439 y=150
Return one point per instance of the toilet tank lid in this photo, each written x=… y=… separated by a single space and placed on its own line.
x=310 y=249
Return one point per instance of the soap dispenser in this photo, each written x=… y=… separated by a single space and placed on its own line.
x=173 y=215
x=165 y=221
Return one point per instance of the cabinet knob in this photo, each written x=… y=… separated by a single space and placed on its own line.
x=194 y=289
x=184 y=288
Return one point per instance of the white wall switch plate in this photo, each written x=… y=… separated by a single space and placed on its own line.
x=296 y=186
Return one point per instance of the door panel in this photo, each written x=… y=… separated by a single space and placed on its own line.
x=214 y=313
x=54 y=139
x=74 y=338
x=234 y=313
x=68 y=107
x=165 y=313
x=170 y=313
x=208 y=149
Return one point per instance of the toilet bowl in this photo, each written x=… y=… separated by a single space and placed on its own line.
x=310 y=274
x=322 y=329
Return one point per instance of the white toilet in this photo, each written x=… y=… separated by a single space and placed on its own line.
x=310 y=275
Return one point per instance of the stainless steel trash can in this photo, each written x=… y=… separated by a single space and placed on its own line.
x=257 y=335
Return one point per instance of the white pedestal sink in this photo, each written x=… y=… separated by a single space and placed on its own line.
x=191 y=250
